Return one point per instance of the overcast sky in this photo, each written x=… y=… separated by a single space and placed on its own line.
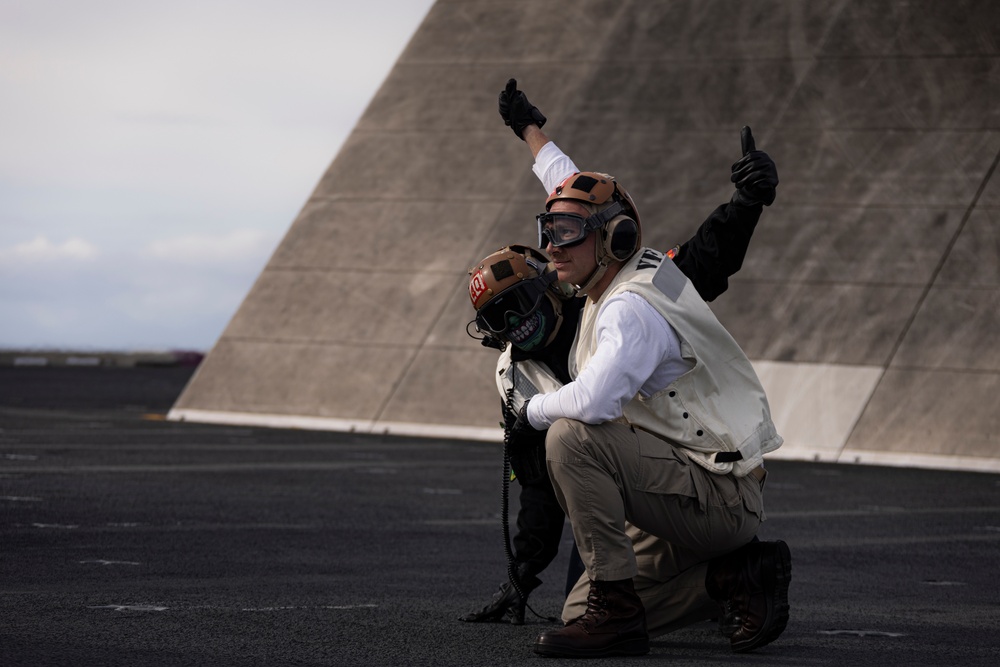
x=153 y=154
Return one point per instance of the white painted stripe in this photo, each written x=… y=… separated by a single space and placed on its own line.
x=131 y=607
x=814 y=406
x=363 y=466
x=338 y=607
x=450 y=432
x=31 y=361
x=270 y=420
x=907 y=460
x=101 y=561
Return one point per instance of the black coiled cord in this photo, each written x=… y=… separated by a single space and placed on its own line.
x=515 y=580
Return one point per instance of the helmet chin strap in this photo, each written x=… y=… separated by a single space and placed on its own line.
x=557 y=309
x=603 y=261
x=595 y=277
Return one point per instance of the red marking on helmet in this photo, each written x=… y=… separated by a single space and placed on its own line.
x=477 y=286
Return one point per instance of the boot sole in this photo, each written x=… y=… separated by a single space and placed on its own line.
x=778 y=575
x=639 y=646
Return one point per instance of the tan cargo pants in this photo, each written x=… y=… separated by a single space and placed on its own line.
x=654 y=519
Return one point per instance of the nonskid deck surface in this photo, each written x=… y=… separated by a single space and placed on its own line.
x=130 y=540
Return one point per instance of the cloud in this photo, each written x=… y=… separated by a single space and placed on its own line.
x=177 y=292
x=235 y=246
x=159 y=151
x=41 y=249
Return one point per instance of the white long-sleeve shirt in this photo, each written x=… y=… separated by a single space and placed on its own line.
x=638 y=352
x=552 y=166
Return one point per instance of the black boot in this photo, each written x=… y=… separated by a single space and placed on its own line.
x=507 y=605
x=751 y=587
x=614 y=624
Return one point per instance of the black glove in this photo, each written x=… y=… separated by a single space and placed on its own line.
x=506 y=606
x=527 y=458
x=521 y=426
x=517 y=112
x=755 y=175
x=526 y=446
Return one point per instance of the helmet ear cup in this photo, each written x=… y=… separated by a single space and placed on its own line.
x=621 y=238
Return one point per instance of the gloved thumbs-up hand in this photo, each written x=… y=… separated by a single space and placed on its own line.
x=755 y=174
x=517 y=112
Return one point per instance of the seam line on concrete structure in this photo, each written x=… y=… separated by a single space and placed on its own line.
x=926 y=290
x=352 y=270
x=806 y=74
x=403 y=200
x=518 y=184
x=318 y=343
x=944 y=369
x=817 y=282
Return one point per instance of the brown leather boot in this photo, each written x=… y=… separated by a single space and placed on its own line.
x=751 y=586
x=614 y=624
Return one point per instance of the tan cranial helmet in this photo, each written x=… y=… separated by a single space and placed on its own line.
x=517 y=296
x=612 y=215
x=595 y=190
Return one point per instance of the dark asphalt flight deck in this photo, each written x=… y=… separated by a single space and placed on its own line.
x=128 y=540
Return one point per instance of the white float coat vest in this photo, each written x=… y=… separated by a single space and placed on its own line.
x=717 y=412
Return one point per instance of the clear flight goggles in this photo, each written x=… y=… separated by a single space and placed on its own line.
x=517 y=302
x=565 y=230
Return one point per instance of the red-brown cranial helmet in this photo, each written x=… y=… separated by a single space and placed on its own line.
x=517 y=297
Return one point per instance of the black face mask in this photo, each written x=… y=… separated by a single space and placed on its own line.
x=517 y=302
x=532 y=332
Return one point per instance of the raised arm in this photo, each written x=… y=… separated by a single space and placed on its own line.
x=552 y=166
x=519 y=115
x=535 y=138
x=717 y=249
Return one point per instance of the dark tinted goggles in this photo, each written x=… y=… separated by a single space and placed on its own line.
x=520 y=300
